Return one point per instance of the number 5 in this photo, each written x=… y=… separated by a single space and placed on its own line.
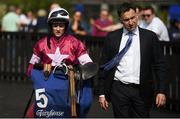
x=41 y=96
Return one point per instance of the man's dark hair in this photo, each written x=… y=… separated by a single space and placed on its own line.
x=124 y=7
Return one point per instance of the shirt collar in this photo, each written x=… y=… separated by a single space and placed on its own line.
x=135 y=31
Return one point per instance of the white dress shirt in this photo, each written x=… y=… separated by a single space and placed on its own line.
x=128 y=70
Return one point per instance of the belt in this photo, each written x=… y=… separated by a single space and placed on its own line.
x=131 y=85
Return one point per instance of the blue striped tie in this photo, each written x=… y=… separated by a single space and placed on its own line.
x=115 y=61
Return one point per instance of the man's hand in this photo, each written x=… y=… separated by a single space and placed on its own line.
x=160 y=99
x=103 y=103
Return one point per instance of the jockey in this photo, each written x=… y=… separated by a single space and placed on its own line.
x=54 y=84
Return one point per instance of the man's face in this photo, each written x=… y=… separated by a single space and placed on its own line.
x=129 y=19
x=148 y=16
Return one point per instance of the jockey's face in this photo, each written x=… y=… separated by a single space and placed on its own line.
x=58 y=29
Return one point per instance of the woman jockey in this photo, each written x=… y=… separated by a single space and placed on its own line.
x=51 y=68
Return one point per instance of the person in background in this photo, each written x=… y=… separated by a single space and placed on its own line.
x=125 y=77
x=51 y=69
x=54 y=5
x=31 y=21
x=101 y=22
x=174 y=30
x=78 y=26
x=10 y=21
x=41 y=25
x=153 y=23
x=22 y=19
x=110 y=28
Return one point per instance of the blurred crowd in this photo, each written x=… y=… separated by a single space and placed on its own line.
x=17 y=21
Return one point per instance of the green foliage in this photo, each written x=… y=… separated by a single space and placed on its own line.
x=31 y=5
x=34 y=5
x=2 y=10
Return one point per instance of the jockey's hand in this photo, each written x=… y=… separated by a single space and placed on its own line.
x=103 y=103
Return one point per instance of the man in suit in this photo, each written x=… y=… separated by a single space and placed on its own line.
x=129 y=83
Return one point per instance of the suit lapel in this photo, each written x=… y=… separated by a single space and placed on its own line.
x=142 y=51
x=117 y=41
x=140 y=39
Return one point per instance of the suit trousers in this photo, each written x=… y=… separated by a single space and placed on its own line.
x=127 y=102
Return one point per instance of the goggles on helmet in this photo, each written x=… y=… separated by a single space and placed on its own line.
x=59 y=13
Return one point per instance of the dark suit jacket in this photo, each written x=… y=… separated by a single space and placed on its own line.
x=151 y=58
